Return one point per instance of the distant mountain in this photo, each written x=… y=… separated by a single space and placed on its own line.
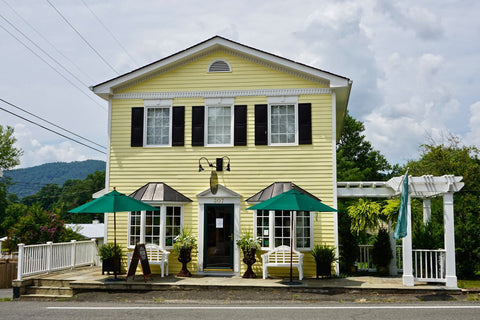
x=28 y=181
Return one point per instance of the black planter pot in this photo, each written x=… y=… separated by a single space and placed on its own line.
x=249 y=260
x=324 y=270
x=108 y=266
x=185 y=256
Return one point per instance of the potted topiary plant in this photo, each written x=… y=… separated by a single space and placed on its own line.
x=324 y=256
x=183 y=245
x=382 y=251
x=106 y=253
x=249 y=246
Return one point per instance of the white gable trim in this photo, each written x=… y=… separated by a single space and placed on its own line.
x=214 y=44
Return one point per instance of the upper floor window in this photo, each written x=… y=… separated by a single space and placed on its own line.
x=219 y=122
x=219 y=66
x=282 y=121
x=158 y=123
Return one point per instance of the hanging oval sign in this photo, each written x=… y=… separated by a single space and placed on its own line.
x=213 y=182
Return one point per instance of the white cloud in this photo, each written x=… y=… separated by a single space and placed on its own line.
x=473 y=136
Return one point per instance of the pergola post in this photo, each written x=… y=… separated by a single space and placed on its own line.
x=408 y=279
x=427 y=210
x=449 y=230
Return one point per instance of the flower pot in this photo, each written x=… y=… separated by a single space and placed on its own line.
x=108 y=266
x=185 y=257
x=324 y=270
x=249 y=260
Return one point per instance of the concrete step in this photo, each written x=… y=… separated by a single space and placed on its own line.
x=42 y=297
x=51 y=283
x=47 y=290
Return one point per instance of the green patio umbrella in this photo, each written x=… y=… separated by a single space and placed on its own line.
x=113 y=201
x=292 y=200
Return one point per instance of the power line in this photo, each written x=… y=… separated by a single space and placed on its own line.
x=47 y=41
x=44 y=52
x=46 y=62
x=58 y=133
x=53 y=124
x=83 y=38
x=110 y=32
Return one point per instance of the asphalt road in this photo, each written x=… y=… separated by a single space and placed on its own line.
x=293 y=310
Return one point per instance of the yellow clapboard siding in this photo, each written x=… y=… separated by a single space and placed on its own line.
x=252 y=167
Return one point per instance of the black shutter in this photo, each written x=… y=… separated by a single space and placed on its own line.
x=261 y=124
x=305 y=123
x=198 y=124
x=136 y=138
x=178 y=126
x=240 y=126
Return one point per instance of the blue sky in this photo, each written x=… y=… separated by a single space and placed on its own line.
x=415 y=65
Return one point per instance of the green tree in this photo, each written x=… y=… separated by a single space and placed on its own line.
x=356 y=158
x=9 y=155
x=9 y=158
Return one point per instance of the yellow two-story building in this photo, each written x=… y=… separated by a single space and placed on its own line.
x=211 y=130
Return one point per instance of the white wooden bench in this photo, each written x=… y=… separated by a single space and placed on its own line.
x=280 y=257
x=156 y=256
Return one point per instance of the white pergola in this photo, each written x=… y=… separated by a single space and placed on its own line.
x=439 y=262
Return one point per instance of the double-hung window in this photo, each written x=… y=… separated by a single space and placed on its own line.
x=282 y=120
x=158 y=123
x=219 y=122
x=157 y=227
x=273 y=228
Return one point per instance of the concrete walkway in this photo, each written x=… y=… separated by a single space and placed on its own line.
x=91 y=279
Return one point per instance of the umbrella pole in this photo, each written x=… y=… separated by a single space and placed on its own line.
x=291 y=246
x=115 y=245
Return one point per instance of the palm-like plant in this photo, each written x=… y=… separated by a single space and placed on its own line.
x=365 y=215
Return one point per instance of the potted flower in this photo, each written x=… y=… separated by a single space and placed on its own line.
x=324 y=256
x=382 y=252
x=249 y=246
x=106 y=252
x=183 y=245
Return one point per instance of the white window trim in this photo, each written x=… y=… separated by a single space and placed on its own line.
x=214 y=61
x=279 y=101
x=154 y=104
x=163 y=222
x=271 y=231
x=219 y=102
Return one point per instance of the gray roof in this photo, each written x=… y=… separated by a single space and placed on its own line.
x=158 y=191
x=277 y=188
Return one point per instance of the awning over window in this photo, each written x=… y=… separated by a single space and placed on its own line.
x=277 y=188
x=158 y=191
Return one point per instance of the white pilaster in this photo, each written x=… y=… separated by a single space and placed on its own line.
x=408 y=280
x=449 y=230
x=427 y=210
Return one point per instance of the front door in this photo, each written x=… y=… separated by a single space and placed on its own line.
x=218 y=242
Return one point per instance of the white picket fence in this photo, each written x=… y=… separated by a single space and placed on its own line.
x=428 y=265
x=45 y=258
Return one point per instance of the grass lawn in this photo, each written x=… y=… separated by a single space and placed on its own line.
x=465 y=284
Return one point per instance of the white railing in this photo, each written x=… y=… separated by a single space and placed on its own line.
x=45 y=258
x=429 y=265
x=365 y=262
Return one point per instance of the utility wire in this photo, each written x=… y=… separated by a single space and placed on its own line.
x=45 y=61
x=60 y=134
x=83 y=38
x=110 y=32
x=50 y=123
x=44 y=52
x=49 y=42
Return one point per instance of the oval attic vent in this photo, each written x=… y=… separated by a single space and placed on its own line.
x=219 y=66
